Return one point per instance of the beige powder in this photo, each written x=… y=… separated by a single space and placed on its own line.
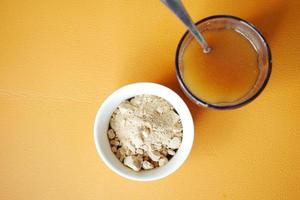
x=143 y=130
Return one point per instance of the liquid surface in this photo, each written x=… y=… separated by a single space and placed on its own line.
x=225 y=74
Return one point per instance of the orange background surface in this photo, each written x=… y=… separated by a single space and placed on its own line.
x=60 y=59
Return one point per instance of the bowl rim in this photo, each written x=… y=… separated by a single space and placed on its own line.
x=186 y=150
x=201 y=102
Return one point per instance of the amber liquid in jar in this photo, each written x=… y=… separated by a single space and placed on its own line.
x=227 y=73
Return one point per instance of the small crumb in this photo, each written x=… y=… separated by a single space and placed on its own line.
x=111 y=134
x=147 y=165
x=175 y=143
x=171 y=152
x=114 y=149
x=133 y=162
x=164 y=152
x=154 y=155
x=128 y=152
x=163 y=161
x=121 y=154
x=114 y=142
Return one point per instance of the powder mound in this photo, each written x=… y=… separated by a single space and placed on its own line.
x=145 y=131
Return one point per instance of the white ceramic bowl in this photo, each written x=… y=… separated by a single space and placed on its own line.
x=102 y=123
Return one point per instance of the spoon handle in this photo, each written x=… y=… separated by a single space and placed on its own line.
x=178 y=9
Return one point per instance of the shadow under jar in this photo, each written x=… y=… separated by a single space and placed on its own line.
x=234 y=73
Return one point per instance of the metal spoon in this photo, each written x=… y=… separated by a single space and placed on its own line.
x=178 y=9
